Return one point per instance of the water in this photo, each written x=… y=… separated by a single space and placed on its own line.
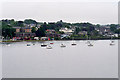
x=80 y=61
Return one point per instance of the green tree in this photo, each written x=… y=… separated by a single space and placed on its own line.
x=8 y=31
x=113 y=27
x=40 y=32
x=30 y=21
x=33 y=29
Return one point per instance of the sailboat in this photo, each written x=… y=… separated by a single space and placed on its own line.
x=49 y=47
x=28 y=44
x=89 y=43
x=112 y=42
x=87 y=40
x=43 y=45
x=73 y=43
x=62 y=45
x=8 y=44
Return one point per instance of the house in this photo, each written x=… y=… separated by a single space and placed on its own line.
x=29 y=25
x=17 y=29
x=24 y=32
x=36 y=38
x=52 y=33
x=67 y=31
x=104 y=30
x=44 y=38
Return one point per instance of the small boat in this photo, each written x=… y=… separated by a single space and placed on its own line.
x=49 y=47
x=28 y=44
x=90 y=44
x=43 y=45
x=8 y=44
x=73 y=44
x=51 y=43
x=112 y=43
x=62 y=45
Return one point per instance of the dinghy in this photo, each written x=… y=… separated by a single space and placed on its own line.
x=48 y=47
x=62 y=45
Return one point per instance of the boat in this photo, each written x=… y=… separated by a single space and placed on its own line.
x=62 y=45
x=49 y=47
x=43 y=45
x=8 y=44
x=51 y=43
x=28 y=44
x=73 y=44
x=112 y=43
x=90 y=44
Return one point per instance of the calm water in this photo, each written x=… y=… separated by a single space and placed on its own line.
x=80 y=61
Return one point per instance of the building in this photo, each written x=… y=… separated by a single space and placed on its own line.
x=104 y=30
x=24 y=32
x=67 y=31
x=52 y=33
x=44 y=38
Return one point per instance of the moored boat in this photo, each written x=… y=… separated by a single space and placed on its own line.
x=90 y=44
x=43 y=45
x=73 y=44
x=62 y=45
x=49 y=47
x=28 y=44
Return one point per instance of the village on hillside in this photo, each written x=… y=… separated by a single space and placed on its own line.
x=32 y=30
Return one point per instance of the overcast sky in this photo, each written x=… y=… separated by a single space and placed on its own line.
x=96 y=11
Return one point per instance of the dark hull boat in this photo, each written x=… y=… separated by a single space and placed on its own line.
x=43 y=45
x=51 y=43
x=73 y=44
x=28 y=44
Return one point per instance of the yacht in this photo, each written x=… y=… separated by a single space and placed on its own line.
x=62 y=45
x=43 y=45
x=90 y=44
x=73 y=44
x=112 y=43
x=49 y=47
x=28 y=44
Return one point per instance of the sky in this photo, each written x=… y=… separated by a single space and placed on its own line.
x=93 y=11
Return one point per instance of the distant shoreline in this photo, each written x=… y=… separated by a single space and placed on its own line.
x=52 y=40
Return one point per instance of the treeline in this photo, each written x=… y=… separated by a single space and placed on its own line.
x=9 y=31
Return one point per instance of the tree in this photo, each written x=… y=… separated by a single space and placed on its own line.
x=30 y=21
x=33 y=29
x=113 y=27
x=40 y=32
x=8 y=31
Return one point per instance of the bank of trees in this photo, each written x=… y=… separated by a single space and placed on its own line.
x=9 y=31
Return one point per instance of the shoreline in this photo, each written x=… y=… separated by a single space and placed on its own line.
x=52 y=40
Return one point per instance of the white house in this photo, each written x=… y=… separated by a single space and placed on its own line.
x=66 y=30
